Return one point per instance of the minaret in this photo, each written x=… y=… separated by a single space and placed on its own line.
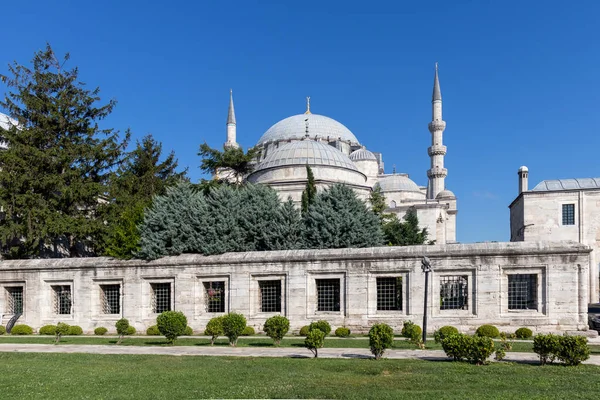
x=231 y=127
x=437 y=173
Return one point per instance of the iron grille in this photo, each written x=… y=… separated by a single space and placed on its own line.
x=270 y=296
x=389 y=294
x=111 y=299
x=522 y=292
x=454 y=293
x=214 y=296
x=328 y=294
x=161 y=297
x=62 y=299
x=568 y=214
x=15 y=300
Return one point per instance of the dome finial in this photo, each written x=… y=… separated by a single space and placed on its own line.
x=308 y=106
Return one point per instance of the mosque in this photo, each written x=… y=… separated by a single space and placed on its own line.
x=335 y=155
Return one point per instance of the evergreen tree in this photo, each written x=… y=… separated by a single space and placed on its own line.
x=290 y=228
x=377 y=201
x=232 y=159
x=54 y=172
x=338 y=219
x=308 y=194
x=405 y=233
x=124 y=235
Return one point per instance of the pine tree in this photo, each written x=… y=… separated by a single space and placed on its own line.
x=290 y=228
x=338 y=219
x=124 y=235
x=377 y=201
x=308 y=194
x=53 y=174
x=231 y=159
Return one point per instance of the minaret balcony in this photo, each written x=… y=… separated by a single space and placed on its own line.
x=437 y=172
x=435 y=126
x=436 y=150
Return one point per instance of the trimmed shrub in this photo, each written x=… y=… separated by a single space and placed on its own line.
x=248 y=331
x=214 y=329
x=546 y=346
x=444 y=332
x=131 y=330
x=2 y=330
x=321 y=325
x=381 y=338
x=481 y=348
x=188 y=331
x=21 y=329
x=100 y=331
x=572 y=350
x=304 y=331
x=276 y=327
x=233 y=326
x=47 y=330
x=75 y=330
x=122 y=326
x=500 y=354
x=411 y=331
x=62 y=329
x=342 y=331
x=153 y=331
x=457 y=346
x=171 y=324
x=488 y=331
x=523 y=333
x=314 y=341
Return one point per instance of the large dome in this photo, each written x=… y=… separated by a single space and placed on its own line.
x=302 y=152
x=397 y=183
x=319 y=126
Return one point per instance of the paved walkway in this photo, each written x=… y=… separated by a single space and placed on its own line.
x=250 y=352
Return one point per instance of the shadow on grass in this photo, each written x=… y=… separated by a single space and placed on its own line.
x=362 y=356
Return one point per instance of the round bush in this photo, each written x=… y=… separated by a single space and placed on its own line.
x=2 y=330
x=523 y=333
x=188 y=331
x=61 y=329
x=481 y=348
x=487 y=331
x=381 y=337
x=321 y=325
x=131 y=330
x=276 y=327
x=411 y=331
x=214 y=329
x=342 y=331
x=314 y=340
x=443 y=332
x=75 y=330
x=171 y=324
x=21 y=329
x=100 y=331
x=573 y=350
x=304 y=330
x=153 y=331
x=233 y=326
x=47 y=330
x=122 y=326
x=248 y=331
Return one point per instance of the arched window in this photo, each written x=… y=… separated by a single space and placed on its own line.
x=392 y=204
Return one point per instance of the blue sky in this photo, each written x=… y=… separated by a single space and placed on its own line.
x=519 y=79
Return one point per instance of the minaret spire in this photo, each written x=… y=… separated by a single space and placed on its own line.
x=308 y=106
x=437 y=173
x=231 y=125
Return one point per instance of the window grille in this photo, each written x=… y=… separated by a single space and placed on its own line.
x=270 y=296
x=15 y=300
x=454 y=294
x=389 y=294
x=111 y=299
x=62 y=299
x=568 y=214
x=214 y=296
x=328 y=294
x=522 y=292
x=161 y=297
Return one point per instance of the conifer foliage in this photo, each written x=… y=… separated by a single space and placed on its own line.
x=308 y=194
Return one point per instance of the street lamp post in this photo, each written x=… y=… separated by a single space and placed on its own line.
x=426 y=267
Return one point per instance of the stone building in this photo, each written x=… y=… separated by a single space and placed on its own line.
x=560 y=209
x=543 y=286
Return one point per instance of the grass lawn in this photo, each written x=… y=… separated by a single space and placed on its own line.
x=39 y=376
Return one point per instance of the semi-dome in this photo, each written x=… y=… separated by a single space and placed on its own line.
x=319 y=126
x=362 y=155
x=302 y=152
x=397 y=183
x=445 y=194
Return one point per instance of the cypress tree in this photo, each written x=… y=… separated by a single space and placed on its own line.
x=338 y=219
x=377 y=201
x=308 y=194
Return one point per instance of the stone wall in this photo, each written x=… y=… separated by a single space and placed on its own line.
x=558 y=274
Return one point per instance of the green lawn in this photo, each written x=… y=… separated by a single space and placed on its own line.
x=242 y=342
x=77 y=376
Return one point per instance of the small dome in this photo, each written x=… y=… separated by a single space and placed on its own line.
x=302 y=152
x=523 y=169
x=397 y=183
x=445 y=194
x=362 y=155
x=319 y=126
